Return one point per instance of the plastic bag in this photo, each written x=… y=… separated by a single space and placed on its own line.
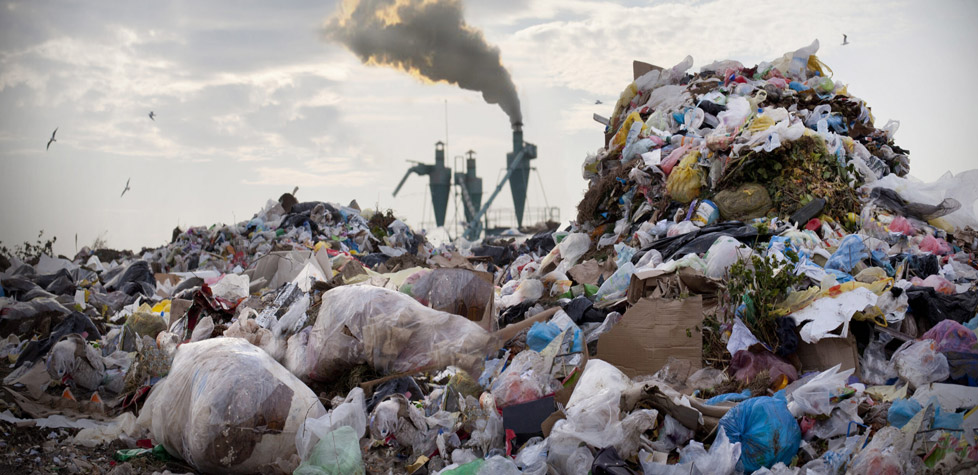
x=532 y=458
x=458 y=291
x=386 y=329
x=766 y=429
x=352 y=413
x=875 y=367
x=960 y=187
x=524 y=380
x=337 y=453
x=949 y=335
x=919 y=363
x=617 y=284
x=572 y=247
x=227 y=406
x=684 y=183
x=724 y=252
x=748 y=201
x=814 y=397
x=936 y=246
x=720 y=459
x=850 y=252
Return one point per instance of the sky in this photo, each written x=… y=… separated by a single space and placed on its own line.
x=252 y=99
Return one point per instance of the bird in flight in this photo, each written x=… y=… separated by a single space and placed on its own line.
x=845 y=39
x=152 y=115
x=127 y=188
x=52 y=138
x=596 y=102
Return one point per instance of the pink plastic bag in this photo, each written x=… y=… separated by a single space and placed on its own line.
x=935 y=245
x=902 y=225
x=950 y=335
x=674 y=158
x=935 y=282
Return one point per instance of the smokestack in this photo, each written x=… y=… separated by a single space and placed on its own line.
x=517 y=137
x=428 y=39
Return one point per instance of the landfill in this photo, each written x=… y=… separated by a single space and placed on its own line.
x=752 y=284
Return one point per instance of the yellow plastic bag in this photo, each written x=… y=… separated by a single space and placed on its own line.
x=622 y=135
x=684 y=182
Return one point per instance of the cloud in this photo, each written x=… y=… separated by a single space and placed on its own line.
x=592 y=53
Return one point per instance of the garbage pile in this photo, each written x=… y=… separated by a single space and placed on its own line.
x=753 y=285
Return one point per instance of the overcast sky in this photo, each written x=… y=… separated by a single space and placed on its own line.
x=252 y=100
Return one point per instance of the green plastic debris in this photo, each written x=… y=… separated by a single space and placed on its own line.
x=337 y=453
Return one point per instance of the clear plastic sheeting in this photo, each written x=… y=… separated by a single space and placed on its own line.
x=228 y=407
x=386 y=329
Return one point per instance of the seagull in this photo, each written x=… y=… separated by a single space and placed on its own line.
x=596 y=102
x=52 y=138
x=151 y=115
x=845 y=39
x=127 y=188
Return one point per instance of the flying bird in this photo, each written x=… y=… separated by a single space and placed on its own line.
x=845 y=39
x=52 y=138
x=596 y=102
x=152 y=115
x=127 y=188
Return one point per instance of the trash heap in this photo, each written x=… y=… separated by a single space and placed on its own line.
x=753 y=285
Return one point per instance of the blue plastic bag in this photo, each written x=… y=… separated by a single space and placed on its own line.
x=541 y=334
x=851 y=250
x=729 y=397
x=766 y=430
x=902 y=410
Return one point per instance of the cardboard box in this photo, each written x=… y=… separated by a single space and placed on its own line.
x=651 y=331
x=829 y=352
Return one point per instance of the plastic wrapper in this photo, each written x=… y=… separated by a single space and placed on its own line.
x=337 y=453
x=351 y=413
x=919 y=363
x=766 y=429
x=227 y=406
x=386 y=329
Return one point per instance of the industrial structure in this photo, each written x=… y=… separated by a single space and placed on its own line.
x=440 y=181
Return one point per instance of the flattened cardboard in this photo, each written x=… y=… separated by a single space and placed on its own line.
x=651 y=331
x=829 y=352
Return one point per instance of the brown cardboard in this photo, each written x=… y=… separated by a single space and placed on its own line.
x=178 y=308
x=651 y=331
x=640 y=68
x=829 y=352
x=588 y=272
x=548 y=423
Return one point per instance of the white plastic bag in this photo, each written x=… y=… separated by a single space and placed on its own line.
x=227 y=406
x=920 y=363
x=386 y=329
x=813 y=397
